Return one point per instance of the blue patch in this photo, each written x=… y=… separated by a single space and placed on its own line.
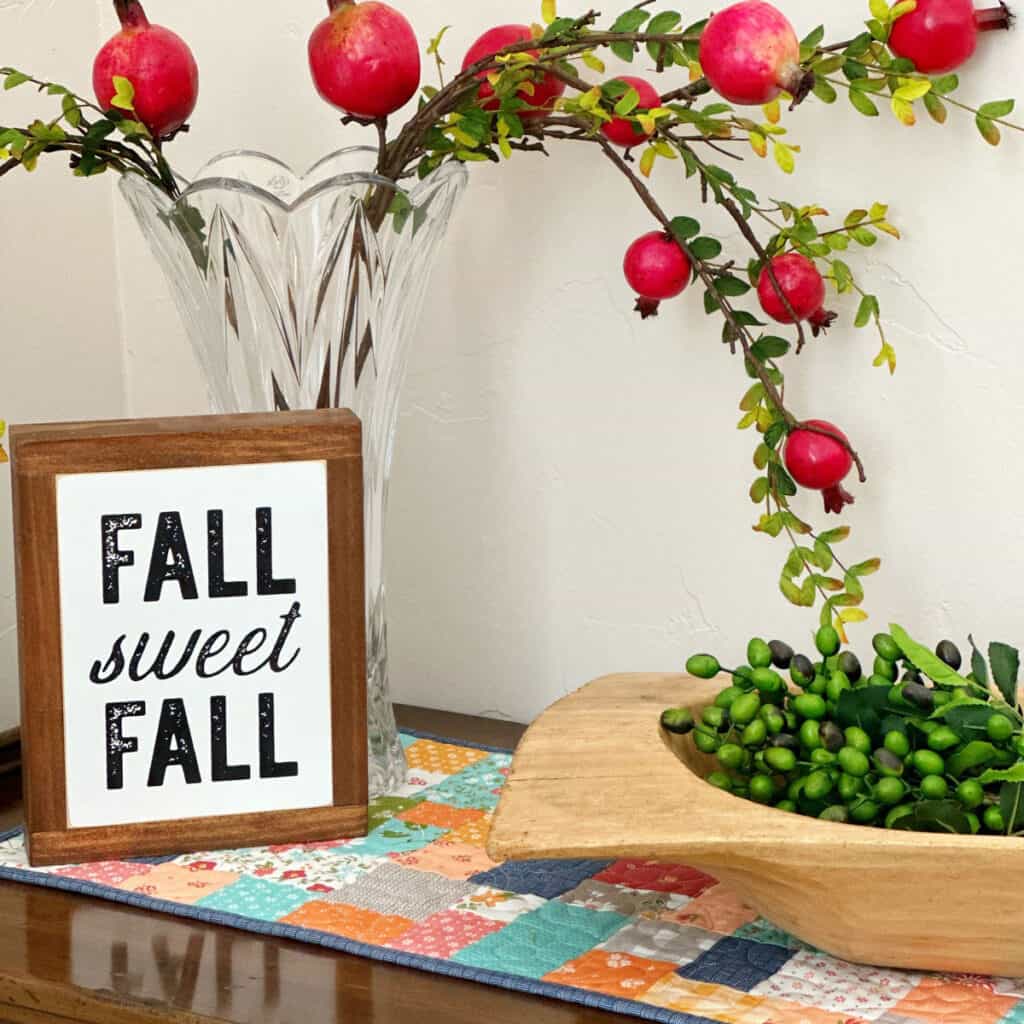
x=546 y=878
x=736 y=963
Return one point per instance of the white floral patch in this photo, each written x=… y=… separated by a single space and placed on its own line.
x=495 y=905
x=815 y=979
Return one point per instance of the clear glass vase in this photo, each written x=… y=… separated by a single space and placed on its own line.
x=302 y=292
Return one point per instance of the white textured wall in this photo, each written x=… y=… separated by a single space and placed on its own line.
x=569 y=493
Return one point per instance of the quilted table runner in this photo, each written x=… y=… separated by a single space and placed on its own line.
x=664 y=942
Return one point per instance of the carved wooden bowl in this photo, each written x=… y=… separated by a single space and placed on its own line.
x=592 y=779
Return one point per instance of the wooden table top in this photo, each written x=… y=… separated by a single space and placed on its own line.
x=74 y=958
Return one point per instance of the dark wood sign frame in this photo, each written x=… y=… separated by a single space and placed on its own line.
x=40 y=453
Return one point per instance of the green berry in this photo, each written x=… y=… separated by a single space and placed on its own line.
x=720 y=781
x=786 y=805
x=801 y=671
x=942 y=738
x=755 y=734
x=1018 y=745
x=897 y=743
x=934 y=787
x=942 y=698
x=854 y=762
x=837 y=812
x=761 y=789
x=886 y=647
x=885 y=668
x=927 y=762
x=857 y=738
x=864 y=811
x=677 y=720
x=705 y=742
x=827 y=641
x=974 y=823
x=810 y=734
x=887 y=763
x=896 y=813
x=849 y=664
x=741 y=677
x=999 y=728
x=970 y=794
x=838 y=682
x=781 y=759
x=819 y=686
x=773 y=718
x=767 y=680
x=703 y=666
x=848 y=787
x=821 y=756
x=744 y=709
x=993 y=819
x=809 y=705
x=727 y=696
x=818 y=785
x=731 y=755
x=759 y=654
x=889 y=791
x=716 y=718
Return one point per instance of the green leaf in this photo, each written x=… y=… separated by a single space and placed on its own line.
x=557 y=28
x=630 y=21
x=863 y=103
x=781 y=480
x=14 y=79
x=825 y=91
x=864 y=707
x=791 y=591
x=812 y=39
x=823 y=555
x=978 y=667
x=731 y=286
x=72 y=114
x=866 y=568
x=774 y=434
x=624 y=51
x=704 y=248
x=935 y=816
x=974 y=755
x=945 y=84
x=997 y=108
x=684 y=227
x=924 y=660
x=967 y=720
x=759 y=490
x=867 y=310
x=835 y=536
x=629 y=102
x=769 y=348
x=663 y=23
x=1005 y=662
x=989 y=132
x=1011 y=804
x=1014 y=774
x=124 y=93
x=879 y=9
x=548 y=11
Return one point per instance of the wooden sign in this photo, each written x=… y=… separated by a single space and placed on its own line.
x=191 y=633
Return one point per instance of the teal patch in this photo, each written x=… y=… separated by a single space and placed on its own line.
x=253 y=897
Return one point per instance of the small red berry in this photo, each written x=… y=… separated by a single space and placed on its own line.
x=656 y=269
x=623 y=132
x=750 y=53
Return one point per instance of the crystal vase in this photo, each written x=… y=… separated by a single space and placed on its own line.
x=302 y=292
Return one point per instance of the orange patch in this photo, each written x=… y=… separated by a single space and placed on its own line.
x=440 y=815
x=470 y=833
x=954 y=1002
x=717 y=910
x=716 y=1002
x=351 y=922
x=177 y=883
x=428 y=756
x=782 y=1011
x=615 y=974
x=453 y=860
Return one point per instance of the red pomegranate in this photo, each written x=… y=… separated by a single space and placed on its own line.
x=750 y=53
x=365 y=58
x=940 y=35
x=546 y=89
x=624 y=132
x=820 y=462
x=802 y=285
x=159 y=65
x=656 y=269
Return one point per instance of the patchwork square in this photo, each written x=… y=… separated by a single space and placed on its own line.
x=737 y=963
x=426 y=812
x=178 y=884
x=649 y=874
x=537 y=943
x=629 y=902
x=495 y=905
x=718 y=909
x=614 y=974
x=112 y=872
x=394 y=836
x=817 y=979
x=478 y=786
x=349 y=922
x=453 y=860
x=393 y=890
x=314 y=867
x=255 y=898
x=710 y=1002
x=947 y=1001
x=547 y=878
x=443 y=758
x=445 y=933
x=470 y=833
x=661 y=940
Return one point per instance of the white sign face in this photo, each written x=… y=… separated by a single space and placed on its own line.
x=196 y=641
